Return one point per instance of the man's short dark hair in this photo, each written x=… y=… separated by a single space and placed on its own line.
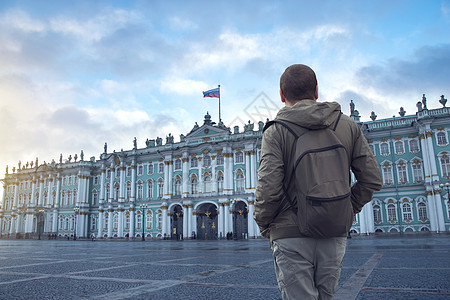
x=298 y=82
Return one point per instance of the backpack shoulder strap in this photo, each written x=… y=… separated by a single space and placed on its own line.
x=337 y=121
x=268 y=124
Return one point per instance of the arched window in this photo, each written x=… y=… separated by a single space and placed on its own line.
x=194 y=162
x=239 y=181
x=93 y=223
x=445 y=166
x=206 y=160
x=149 y=189
x=159 y=219
x=384 y=149
x=161 y=168
x=150 y=169
x=128 y=193
x=149 y=220
x=220 y=182
x=117 y=172
x=105 y=222
x=377 y=214
x=128 y=171
x=116 y=192
x=178 y=164
x=107 y=190
x=177 y=186
x=239 y=157
x=94 y=197
x=392 y=214
x=127 y=221
x=140 y=169
x=139 y=221
x=207 y=183
x=116 y=221
x=422 y=207
x=399 y=149
x=160 y=188
x=63 y=198
x=140 y=187
x=417 y=171
x=441 y=138
x=108 y=174
x=414 y=146
x=407 y=214
x=402 y=173
x=387 y=173
x=194 y=184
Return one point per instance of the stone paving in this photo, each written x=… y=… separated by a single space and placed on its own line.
x=408 y=267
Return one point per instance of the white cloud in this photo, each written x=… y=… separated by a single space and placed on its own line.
x=19 y=19
x=182 y=86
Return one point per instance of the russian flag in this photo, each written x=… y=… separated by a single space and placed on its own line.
x=214 y=93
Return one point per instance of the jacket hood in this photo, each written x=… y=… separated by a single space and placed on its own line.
x=311 y=114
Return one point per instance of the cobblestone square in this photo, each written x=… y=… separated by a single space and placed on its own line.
x=375 y=267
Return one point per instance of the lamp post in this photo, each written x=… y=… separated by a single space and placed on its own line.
x=143 y=207
x=76 y=210
x=40 y=214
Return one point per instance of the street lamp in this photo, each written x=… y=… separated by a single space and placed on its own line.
x=40 y=214
x=143 y=207
x=76 y=210
x=447 y=187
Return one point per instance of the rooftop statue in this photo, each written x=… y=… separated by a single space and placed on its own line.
x=419 y=106
x=443 y=101
x=424 y=101
x=105 y=147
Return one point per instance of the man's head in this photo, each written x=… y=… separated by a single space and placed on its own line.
x=298 y=82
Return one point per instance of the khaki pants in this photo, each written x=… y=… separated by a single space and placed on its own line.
x=308 y=268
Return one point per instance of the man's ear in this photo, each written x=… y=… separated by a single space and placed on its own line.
x=316 y=95
x=282 y=97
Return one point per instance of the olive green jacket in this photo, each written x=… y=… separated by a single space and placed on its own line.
x=273 y=213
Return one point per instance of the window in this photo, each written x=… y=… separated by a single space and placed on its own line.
x=149 y=219
x=407 y=215
x=140 y=170
x=116 y=221
x=445 y=166
x=106 y=219
x=422 y=211
x=108 y=173
x=384 y=149
x=220 y=182
x=177 y=186
x=239 y=157
x=417 y=172
x=70 y=180
x=207 y=183
x=159 y=219
x=392 y=215
x=194 y=184
x=399 y=149
x=160 y=188
x=372 y=148
x=441 y=138
x=150 y=169
x=128 y=171
x=387 y=174
x=127 y=221
x=116 y=192
x=94 y=198
x=219 y=159
x=139 y=190
x=139 y=221
x=194 y=162
x=414 y=146
x=178 y=164
x=149 y=189
x=93 y=223
x=95 y=180
x=117 y=172
x=161 y=168
x=63 y=199
x=107 y=191
x=206 y=161
x=128 y=193
x=402 y=174
x=239 y=181
x=377 y=214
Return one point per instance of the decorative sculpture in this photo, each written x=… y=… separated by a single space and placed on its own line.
x=82 y=155
x=443 y=101
x=402 y=112
x=424 y=101
x=135 y=143
x=105 y=147
x=419 y=106
x=373 y=116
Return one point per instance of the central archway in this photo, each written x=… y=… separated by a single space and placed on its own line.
x=207 y=222
x=176 y=221
x=240 y=220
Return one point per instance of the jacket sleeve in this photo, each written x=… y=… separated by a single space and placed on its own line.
x=365 y=168
x=269 y=188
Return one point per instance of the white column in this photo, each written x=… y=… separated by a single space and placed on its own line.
x=164 y=219
x=250 y=220
x=213 y=174
x=194 y=223
x=430 y=150
x=50 y=191
x=166 y=180
x=133 y=182
x=33 y=192
x=120 y=212
x=56 y=204
x=120 y=209
x=185 y=221
x=132 y=220
x=247 y=170
x=170 y=179
x=200 y=175
x=185 y=160
x=110 y=220
x=253 y=170
x=16 y=195
x=41 y=191
x=226 y=209
x=100 y=223
x=101 y=211
x=220 y=226
x=189 y=220
x=439 y=211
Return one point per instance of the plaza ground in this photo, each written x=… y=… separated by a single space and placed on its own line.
x=375 y=267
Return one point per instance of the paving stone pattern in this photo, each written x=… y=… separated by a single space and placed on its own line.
x=400 y=267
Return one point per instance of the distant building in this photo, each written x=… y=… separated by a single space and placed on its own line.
x=204 y=186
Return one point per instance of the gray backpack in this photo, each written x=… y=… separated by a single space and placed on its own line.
x=319 y=189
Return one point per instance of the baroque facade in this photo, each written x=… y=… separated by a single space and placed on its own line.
x=204 y=185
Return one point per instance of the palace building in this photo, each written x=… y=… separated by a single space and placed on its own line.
x=203 y=186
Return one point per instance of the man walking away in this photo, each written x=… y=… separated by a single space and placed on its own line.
x=304 y=203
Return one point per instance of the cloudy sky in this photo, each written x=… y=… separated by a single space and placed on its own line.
x=77 y=74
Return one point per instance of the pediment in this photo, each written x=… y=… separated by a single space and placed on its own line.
x=206 y=131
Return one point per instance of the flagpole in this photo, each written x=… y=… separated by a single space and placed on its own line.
x=220 y=119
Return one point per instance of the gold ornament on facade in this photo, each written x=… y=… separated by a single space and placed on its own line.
x=383 y=139
x=185 y=159
x=207 y=214
x=429 y=134
x=440 y=128
x=397 y=138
